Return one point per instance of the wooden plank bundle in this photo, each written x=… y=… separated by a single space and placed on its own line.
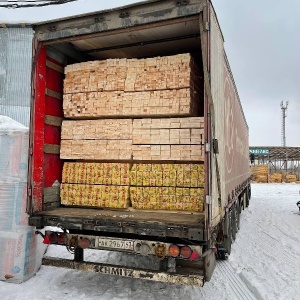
x=104 y=196
x=131 y=75
x=275 y=177
x=140 y=139
x=168 y=131
x=96 y=149
x=132 y=87
x=175 y=102
x=167 y=175
x=142 y=186
x=168 y=152
x=164 y=198
x=168 y=139
x=102 y=129
x=95 y=184
x=96 y=173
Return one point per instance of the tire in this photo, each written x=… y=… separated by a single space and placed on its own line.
x=228 y=237
x=248 y=196
x=234 y=228
x=238 y=215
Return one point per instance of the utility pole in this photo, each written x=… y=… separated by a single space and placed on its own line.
x=284 y=108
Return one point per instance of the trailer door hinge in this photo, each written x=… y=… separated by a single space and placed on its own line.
x=208 y=199
x=207 y=147
x=207 y=26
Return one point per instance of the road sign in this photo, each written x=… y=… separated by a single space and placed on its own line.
x=259 y=151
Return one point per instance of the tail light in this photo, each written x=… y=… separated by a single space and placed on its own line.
x=62 y=239
x=51 y=238
x=186 y=252
x=84 y=243
x=174 y=251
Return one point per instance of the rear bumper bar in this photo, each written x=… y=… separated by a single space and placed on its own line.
x=185 y=279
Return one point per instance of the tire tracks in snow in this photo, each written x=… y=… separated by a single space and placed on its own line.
x=271 y=244
x=238 y=286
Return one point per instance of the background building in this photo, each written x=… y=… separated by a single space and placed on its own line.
x=275 y=164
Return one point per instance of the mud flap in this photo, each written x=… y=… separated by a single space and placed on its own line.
x=228 y=232
x=209 y=265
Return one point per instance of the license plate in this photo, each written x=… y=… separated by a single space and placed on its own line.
x=115 y=244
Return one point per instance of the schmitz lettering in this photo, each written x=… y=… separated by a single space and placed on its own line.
x=114 y=271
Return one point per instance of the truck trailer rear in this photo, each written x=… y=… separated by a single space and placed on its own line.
x=173 y=176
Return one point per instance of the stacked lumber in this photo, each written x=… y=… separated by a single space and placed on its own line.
x=96 y=139
x=132 y=87
x=167 y=186
x=291 y=178
x=168 y=152
x=103 y=129
x=140 y=139
x=260 y=173
x=275 y=178
x=96 y=149
x=96 y=173
x=168 y=131
x=167 y=198
x=104 y=185
x=144 y=186
x=104 y=196
x=176 y=102
x=131 y=75
x=167 y=175
x=111 y=104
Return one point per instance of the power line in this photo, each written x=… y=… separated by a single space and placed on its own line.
x=32 y=3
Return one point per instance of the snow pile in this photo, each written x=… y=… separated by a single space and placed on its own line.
x=21 y=250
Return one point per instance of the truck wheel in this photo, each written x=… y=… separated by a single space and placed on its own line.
x=248 y=196
x=234 y=214
x=249 y=189
x=238 y=215
x=228 y=236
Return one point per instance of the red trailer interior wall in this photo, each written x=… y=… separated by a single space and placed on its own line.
x=46 y=166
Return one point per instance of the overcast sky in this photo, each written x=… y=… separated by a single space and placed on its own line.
x=262 y=42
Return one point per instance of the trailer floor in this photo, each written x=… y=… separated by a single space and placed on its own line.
x=126 y=221
x=180 y=218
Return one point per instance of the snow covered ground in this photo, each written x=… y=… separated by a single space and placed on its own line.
x=264 y=264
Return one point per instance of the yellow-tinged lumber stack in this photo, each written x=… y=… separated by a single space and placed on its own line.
x=95 y=184
x=260 y=173
x=167 y=186
x=275 y=178
x=144 y=186
x=291 y=178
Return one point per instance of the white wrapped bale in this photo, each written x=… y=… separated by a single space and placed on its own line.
x=21 y=251
x=13 y=196
x=14 y=141
x=21 y=254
